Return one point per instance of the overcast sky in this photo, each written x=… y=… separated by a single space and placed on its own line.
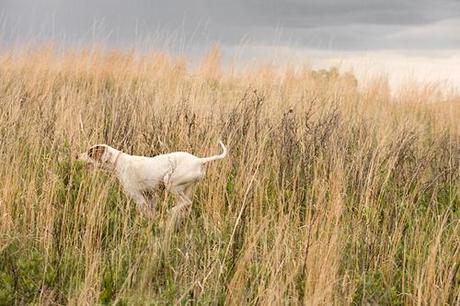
x=324 y=28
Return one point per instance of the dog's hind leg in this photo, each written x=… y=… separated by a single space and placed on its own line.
x=183 y=194
x=182 y=206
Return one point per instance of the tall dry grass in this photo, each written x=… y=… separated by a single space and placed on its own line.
x=333 y=193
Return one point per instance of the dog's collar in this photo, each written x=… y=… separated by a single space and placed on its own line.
x=116 y=161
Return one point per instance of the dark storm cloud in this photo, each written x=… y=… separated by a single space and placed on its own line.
x=327 y=24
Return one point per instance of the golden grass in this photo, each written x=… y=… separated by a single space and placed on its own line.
x=334 y=192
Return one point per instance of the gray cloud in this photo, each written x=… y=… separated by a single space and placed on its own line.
x=322 y=24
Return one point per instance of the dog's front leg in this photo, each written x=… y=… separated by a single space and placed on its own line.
x=151 y=202
x=143 y=206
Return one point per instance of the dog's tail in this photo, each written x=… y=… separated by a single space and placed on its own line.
x=220 y=156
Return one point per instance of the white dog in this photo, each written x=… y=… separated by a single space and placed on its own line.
x=142 y=176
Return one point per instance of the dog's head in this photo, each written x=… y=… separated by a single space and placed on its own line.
x=101 y=156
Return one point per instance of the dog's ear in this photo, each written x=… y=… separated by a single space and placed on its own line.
x=97 y=153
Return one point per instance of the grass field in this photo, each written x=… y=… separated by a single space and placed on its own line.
x=334 y=191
